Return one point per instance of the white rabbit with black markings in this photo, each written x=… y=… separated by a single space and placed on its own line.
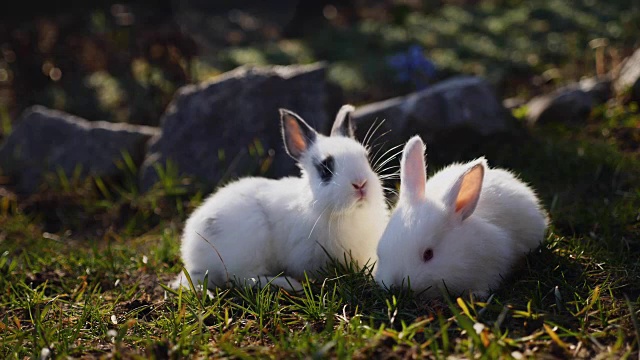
x=461 y=231
x=254 y=229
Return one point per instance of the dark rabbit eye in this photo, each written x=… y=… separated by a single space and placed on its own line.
x=427 y=255
x=325 y=169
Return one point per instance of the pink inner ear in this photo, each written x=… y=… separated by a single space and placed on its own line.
x=413 y=172
x=470 y=190
x=296 y=138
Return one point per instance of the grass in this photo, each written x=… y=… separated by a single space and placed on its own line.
x=84 y=263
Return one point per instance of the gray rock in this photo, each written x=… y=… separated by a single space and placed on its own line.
x=566 y=105
x=629 y=76
x=45 y=140
x=571 y=103
x=513 y=103
x=461 y=103
x=209 y=131
x=599 y=88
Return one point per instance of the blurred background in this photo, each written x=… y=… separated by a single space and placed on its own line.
x=122 y=62
x=91 y=216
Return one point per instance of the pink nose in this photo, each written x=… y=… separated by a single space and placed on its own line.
x=359 y=186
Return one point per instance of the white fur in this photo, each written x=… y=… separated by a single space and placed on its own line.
x=470 y=254
x=257 y=228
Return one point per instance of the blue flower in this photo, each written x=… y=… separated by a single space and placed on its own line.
x=413 y=66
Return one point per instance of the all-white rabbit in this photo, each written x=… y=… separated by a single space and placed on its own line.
x=257 y=228
x=461 y=231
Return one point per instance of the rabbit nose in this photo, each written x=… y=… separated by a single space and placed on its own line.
x=360 y=185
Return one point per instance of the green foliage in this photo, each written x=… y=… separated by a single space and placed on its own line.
x=76 y=293
x=124 y=75
x=86 y=277
x=507 y=42
x=84 y=263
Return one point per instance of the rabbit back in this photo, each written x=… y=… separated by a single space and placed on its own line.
x=232 y=233
x=505 y=202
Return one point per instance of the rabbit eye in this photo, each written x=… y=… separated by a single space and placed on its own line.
x=427 y=255
x=325 y=169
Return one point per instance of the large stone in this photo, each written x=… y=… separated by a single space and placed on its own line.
x=46 y=140
x=599 y=88
x=570 y=105
x=215 y=130
x=629 y=76
x=461 y=103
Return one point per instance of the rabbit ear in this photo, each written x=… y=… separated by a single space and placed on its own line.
x=465 y=192
x=297 y=134
x=343 y=124
x=413 y=169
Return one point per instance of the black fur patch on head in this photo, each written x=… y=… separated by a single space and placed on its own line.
x=325 y=169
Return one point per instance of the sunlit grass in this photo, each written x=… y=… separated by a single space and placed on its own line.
x=85 y=262
x=95 y=283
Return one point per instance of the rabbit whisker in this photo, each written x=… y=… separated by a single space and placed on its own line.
x=378 y=145
x=370 y=133
x=381 y=135
x=318 y=219
x=391 y=175
x=386 y=161
x=393 y=148
x=391 y=167
x=373 y=158
x=391 y=157
x=381 y=147
x=391 y=190
x=364 y=140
